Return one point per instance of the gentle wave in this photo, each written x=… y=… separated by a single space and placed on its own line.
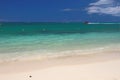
x=19 y=41
x=37 y=55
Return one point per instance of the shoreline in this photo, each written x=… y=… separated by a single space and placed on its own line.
x=86 y=67
x=28 y=65
x=36 y=55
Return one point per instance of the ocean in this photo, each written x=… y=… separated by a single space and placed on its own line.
x=39 y=40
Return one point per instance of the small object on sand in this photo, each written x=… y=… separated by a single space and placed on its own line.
x=30 y=76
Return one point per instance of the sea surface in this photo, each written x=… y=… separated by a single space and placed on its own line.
x=22 y=41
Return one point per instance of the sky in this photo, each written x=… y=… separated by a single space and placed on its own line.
x=60 y=10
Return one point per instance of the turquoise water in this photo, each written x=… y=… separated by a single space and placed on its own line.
x=18 y=40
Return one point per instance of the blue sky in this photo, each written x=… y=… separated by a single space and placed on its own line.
x=60 y=10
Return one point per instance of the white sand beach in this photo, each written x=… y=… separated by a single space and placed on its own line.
x=87 y=67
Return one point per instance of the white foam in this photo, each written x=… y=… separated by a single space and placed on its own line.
x=38 y=55
x=103 y=23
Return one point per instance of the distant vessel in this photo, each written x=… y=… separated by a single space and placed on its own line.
x=86 y=22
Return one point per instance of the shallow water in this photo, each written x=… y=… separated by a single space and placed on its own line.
x=19 y=40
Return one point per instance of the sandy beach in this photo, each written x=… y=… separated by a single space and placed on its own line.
x=60 y=40
x=86 y=67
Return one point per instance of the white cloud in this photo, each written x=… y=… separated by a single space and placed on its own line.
x=69 y=9
x=102 y=2
x=109 y=7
